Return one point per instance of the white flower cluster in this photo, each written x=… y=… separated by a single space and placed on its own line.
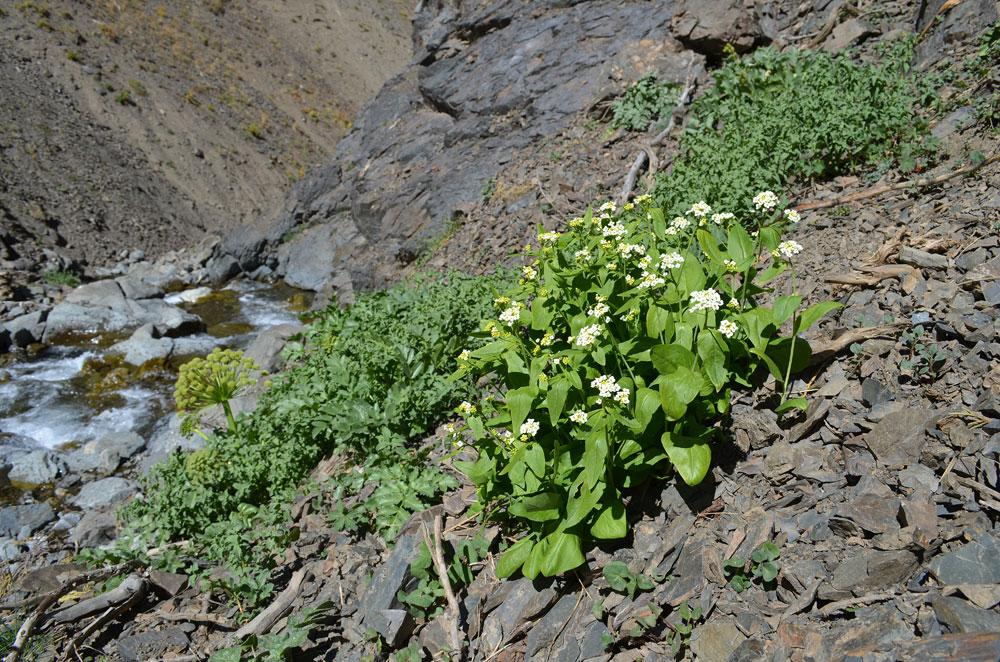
x=606 y=385
x=546 y=340
x=463 y=355
x=608 y=206
x=576 y=222
x=583 y=254
x=548 y=237
x=671 y=261
x=792 y=215
x=600 y=309
x=680 y=223
x=722 y=217
x=644 y=198
x=730 y=266
x=705 y=300
x=512 y=314
x=466 y=408
x=529 y=272
x=650 y=279
x=616 y=230
x=765 y=200
x=728 y=329
x=789 y=249
x=588 y=335
x=700 y=209
x=578 y=417
x=734 y=304
x=628 y=250
x=505 y=434
x=530 y=427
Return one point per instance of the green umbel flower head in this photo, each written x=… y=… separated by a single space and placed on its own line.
x=214 y=380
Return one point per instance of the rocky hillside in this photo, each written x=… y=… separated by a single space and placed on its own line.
x=133 y=125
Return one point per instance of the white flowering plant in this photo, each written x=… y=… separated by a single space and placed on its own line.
x=618 y=368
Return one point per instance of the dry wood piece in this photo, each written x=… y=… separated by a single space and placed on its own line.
x=266 y=619
x=138 y=592
x=189 y=617
x=834 y=607
x=828 y=349
x=831 y=22
x=875 y=275
x=437 y=555
x=123 y=592
x=879 y=190
x=888 y=249
x=947 y=6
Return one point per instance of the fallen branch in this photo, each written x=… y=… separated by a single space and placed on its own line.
x=121 y=593
x=190 y=617
x=46 y=601
x=266 y=619
x=875 y=275
x=112 y=613
x=913 y=183
x=831 y=22
x=437 y=555
x=834 y=607
x=647 y=148
x=947 y=6
x=829 y=349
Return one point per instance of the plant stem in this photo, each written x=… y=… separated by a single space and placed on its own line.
x=229 y=417
x=791 y=351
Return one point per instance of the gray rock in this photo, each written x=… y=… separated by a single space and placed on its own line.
x=395 y=626
x=167 y=440
x=67 y=521
x=266 y=347
x=977 y=562
x=899 y=437
x=872 y=570
x=103 y=493
x=850 y=32
x=134 y=288
x=99 y=294
x=707 y=26
x=387 y=581
x=957 y=615
x=105 y=309
x=716 y=640
x=96 y=528
x=151 y=644
x=919 y=258
x=143 y=346
x=557 y=635
x=222 y=269
x=104 y=455
x=169 y=582
x=37 y=467
x=27 y=329
x=509 y=607
x=14 y=519
x=5 y=340
x=310 y=260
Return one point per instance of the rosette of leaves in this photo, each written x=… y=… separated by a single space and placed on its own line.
x=555 y=453
x=214 y=380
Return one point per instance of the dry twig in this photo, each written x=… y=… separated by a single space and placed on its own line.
x=135 y=592
x=437 y=555
x=831 y=22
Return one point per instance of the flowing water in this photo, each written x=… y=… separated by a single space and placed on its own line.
x=66 y=396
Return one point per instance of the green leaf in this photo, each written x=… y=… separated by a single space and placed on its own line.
x=713 y=358
x=514 y=557
x=666 y=358
x=780 y=351
x=234 y=654
x=594 y=455
x=647 y=401
x=534 y=456
x=710 y=247
x=579 y=507
x=768 y=571
x=555 y=398
x=740 y=247
x=541 y=314
x=793 y=403
x=677 y=390
x=519 y=402
x=691 y=277
x=659 y=321
x=562 y=553
x=812 y=314
x=689 y=455
x=611 y=523
x=784 y=307
x=617 y=575
x=539 y=507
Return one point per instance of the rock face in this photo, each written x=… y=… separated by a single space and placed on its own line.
x=487 y=83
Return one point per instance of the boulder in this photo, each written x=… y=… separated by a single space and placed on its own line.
x=95 y=528
x=104 y=455
x=707 y=26
x=103 y=493
x=222 y=269
x=26 y=329
x=37 y=467
x=17 y=519
x=266 y=348
x=144 y=345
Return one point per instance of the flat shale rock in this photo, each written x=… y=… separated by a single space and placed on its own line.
x=977 y=562
x=899 y=437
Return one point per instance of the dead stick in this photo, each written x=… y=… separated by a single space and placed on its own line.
x=112 y=612
x=641 y=157
x=828 y=349
x=192 y=617
x=266 y=619
x=124 y=591
x=83 y=578
x=831 y=21
x=834 y=607
x=913 y=183
x=437 y=555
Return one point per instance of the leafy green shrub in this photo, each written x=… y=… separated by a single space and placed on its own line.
x=771 y=116
x=613 y=360
x=426 y=600
x=642 y=103
x=58 y=277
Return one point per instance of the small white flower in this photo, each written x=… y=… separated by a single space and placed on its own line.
x=722 y=217
x=734 y=304
x=588 y=335
x=578 y=417
x=463 y=355
x=616 y=230
x=792 y=215
x=765 y=200
x=650 y=280
x=600 y=309
x=505 y=434
x=642 y=198
x=449 y=428
x=705 y=300
x=728 y=329
x=466 y=408
x=530 y=427
x=700 y=209
x=512 y=314
x=629 y=280
x=645 y=262
x=575 y=222
x=680 y=223
x=621 y=397
x=789 y=249
x=548 y=237
x=730 y=266
x=628 y=250
x=605 y=385
x=608 y=206
x=529 y=272
x=546 y=340
x=671 y=231
x=671 y=261
x=583 y=255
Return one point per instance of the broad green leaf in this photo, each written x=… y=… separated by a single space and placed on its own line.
x=562 y=553
x=784 y=307
x=519 y=402
x=538 y=508
x=514 y=557
x=666 y=358
x=772 y=272
x=710 y=247
x=594 y=457
x=492 y=351
x=780 y=351
x=713 y=358
x=534 y=456
x=541 y=314
x=692 y=276
x=555 y=398
x=515 y=365
x=659 y=321
x=740 y=247
x=691 y=457
x=611 y=523
x=677 y=389
x=476 y=425
x=647 y=401
x=756 y=323
x=793 y=403
x=581 y=506
x=617 y=575
x=480 y=471
x=234 y=654
x=812 y=314
x=770 y=237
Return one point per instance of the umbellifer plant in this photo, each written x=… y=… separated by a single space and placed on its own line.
x=613 y=362
x=214 y=380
